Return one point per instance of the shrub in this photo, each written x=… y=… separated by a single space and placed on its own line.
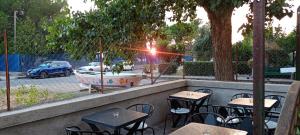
x=202 y=68
x=30 y=95
x=168 y=68
x=243 y=67
x=206 y=68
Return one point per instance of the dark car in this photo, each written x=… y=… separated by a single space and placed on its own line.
x=51 y=68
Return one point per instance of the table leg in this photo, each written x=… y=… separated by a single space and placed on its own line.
x=176 y=120
x=94 y=127
x=134 y=128
x=117 y=131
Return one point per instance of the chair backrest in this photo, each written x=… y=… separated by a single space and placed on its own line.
x=204 y=90
x=144 y=108
x=245 y=124
x=175 y=103
x=242 y=95
x=228 y=110
x=72 y=130
x=280 y=100
x=207 y=118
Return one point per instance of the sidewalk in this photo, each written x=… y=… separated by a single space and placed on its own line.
x=12 y=75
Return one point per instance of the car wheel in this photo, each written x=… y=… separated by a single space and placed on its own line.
x=132 y=68
x=67 y=73
x=106 y=70
x=43 y=75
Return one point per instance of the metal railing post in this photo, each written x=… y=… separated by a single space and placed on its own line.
x=7 y=73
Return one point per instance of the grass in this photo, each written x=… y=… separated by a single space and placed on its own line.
x=25 y=96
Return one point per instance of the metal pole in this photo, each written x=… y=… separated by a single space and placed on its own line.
x=258 y=66
x=298 y=46
x=7 y=73
x=151 y=64
x=101 y=66
x=15 y=30
x=236 y=62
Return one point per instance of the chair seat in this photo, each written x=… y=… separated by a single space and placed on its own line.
x=271 y=124
x=233 y=121
x=140 y=126
x=180 y=111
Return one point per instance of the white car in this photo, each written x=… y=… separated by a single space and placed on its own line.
x=95 y=66
x=126 y=66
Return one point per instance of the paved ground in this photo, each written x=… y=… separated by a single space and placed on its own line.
x=56 y=84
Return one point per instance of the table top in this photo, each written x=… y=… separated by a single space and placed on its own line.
x=248 y=102
x=189 y=95
x=203 y=129
x=114 y=118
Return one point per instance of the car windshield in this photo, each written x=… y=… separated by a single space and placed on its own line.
x=45 y=64
x=94 y=64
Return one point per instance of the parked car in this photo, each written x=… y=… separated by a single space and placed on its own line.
x=95 y=66
x=126 y=65
x=51 y=68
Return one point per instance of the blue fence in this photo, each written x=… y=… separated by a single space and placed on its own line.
x=13 y=62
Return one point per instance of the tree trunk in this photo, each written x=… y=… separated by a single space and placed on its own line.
x=221 y=31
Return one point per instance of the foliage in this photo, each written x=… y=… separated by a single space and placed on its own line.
x=32 y=14
x=176 y=38
x=277 y=58
x=201 y=68
x=30 y=95
x=167 y=68
x=202 y=46
x=244 y=51
x=242 y=67
x=287 y=43
x=219 y=14
x=114 y=28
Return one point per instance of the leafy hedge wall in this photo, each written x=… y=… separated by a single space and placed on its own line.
x=201 y=68
x=171 y=70
x=206 y=68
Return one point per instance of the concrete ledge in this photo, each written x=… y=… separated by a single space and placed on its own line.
x=247 y=86
x=50 y=110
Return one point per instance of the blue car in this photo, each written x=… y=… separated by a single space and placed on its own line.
x=51 y=68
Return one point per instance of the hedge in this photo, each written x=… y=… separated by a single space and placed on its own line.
x=201 y=68
x=171 y=70
x=206 y=68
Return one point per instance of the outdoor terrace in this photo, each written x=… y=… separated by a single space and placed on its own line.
x=51 y=119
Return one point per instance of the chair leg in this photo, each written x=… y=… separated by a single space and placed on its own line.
x=165 y=124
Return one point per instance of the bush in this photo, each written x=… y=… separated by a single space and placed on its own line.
x=172 y=68
x=243 y=67
x=206 y=68
x=202 y=68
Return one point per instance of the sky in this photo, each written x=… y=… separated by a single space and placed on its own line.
x=239 y=16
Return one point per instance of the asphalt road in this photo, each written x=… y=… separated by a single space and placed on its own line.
x=55 y=84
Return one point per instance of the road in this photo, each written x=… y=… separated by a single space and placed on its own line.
x=55 y=84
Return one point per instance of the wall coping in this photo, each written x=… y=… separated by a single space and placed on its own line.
x=248 y=86
x=49 y=110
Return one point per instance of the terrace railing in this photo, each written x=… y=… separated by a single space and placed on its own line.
x=289 y=119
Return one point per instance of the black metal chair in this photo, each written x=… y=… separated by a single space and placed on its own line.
x=228 y=112
x=206 y=103
x=74 y=130
x=207 y=118
x=242 y=95
x=245 y=124
x=280 y=101
x=177 y=109
x=144 y=108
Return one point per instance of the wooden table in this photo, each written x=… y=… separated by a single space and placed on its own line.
x=203 y=129
x=248 y=102
x=115 y=118
x=189 y=95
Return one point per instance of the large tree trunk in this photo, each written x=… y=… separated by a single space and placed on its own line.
x=222 y=45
